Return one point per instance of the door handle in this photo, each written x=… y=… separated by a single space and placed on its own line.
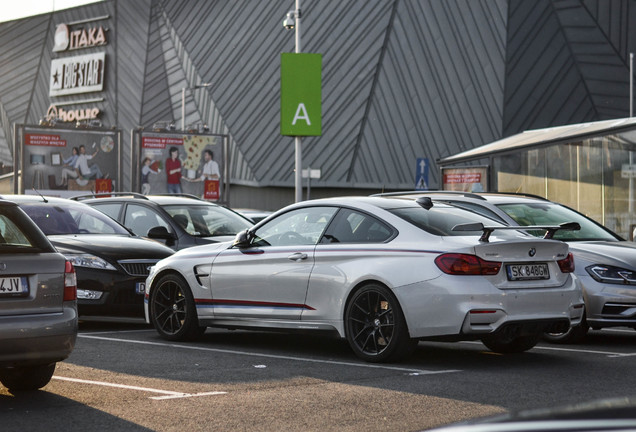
x=298 y=256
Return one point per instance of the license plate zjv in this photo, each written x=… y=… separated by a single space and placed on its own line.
x=528 y=271
x=14 y=286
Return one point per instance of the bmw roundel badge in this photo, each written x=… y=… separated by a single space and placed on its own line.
x=532 y=252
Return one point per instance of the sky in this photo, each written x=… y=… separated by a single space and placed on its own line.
x=16 y=9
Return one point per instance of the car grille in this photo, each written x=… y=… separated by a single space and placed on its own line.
x=138 y=267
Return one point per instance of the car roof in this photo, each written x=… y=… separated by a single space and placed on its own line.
x=40 y=199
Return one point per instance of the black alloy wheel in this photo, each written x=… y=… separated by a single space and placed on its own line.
x=375 y=325
x=172 y=309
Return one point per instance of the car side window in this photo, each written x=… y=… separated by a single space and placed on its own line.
x=302 y=226
x=109 y=209
x=139 y=219
x=350 y=226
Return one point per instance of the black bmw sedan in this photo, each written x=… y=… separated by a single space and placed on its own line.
x=111 y=263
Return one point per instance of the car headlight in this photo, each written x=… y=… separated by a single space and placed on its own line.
x=89 y=261
x=611 y=274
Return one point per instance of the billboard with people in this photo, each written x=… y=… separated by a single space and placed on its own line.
x=179 y=163
x=65 y=162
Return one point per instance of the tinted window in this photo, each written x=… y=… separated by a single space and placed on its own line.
x=60 y=218
x=351 y=226
x=297 y=227
x=207 y=220
x=17 y=234
x=141 y=218
x=554 y=214
x=109 y=209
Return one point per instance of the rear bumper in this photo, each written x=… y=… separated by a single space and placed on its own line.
x=38 y=338
x=476 y=307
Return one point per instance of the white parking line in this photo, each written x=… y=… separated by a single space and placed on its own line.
x=413 y=372
x=607 y=353
x=167 y=393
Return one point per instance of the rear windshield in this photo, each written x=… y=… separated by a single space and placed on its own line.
x=554 y=214
x=58 y=219
x=17 y=234
x=440 y=220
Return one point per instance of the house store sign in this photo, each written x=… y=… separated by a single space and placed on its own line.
x=54 y=113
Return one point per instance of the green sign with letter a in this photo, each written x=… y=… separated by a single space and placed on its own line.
x=300 y=94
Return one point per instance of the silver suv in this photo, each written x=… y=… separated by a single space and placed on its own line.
x=38 y=303
x=605 y=262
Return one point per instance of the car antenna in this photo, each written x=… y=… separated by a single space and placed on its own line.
x=425 y=202
x=41 y=196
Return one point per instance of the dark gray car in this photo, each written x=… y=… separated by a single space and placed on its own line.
x=176 y=220
x=605 y=262
x=38 y=306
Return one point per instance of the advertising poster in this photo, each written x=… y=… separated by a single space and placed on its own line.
x=180 y=163
x=68 y=162
x=466 y=179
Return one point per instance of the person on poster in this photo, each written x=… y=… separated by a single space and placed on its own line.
x=146 y=170
x=210 y=168
x=173 y=171
x=88 y=172
x=69 y=169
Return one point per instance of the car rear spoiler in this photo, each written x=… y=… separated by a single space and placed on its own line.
x=487 y=230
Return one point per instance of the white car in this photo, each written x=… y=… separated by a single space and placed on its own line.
x=382 y=273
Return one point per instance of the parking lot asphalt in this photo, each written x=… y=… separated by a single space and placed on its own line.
x=124 y=377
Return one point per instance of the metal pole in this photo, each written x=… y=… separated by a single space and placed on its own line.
x=630 y=205
x=183 y=108
x=631 y=84
x=297 y=140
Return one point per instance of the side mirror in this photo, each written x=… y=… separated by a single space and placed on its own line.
x=243 y=239
x=160 y=232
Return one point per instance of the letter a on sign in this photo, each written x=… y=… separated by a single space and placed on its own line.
x=300 y=95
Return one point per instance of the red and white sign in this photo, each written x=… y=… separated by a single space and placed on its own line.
x=211 y=191
x=44 y=140
x=462 y=178
x=160 y=142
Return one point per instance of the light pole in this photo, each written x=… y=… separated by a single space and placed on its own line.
x=183 y=90
x=293 y=22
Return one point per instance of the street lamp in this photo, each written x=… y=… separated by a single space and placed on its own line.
x=183 y=90
x=293 y=22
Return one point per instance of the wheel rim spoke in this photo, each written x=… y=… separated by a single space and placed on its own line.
x=371 y=323
x=170 y=307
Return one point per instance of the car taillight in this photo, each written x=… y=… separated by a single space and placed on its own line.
x=70 y=282
x=464 y=264
x=567 y=264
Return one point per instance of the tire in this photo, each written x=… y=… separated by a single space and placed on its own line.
x=574 y=335
x=172 y=310
x=375 y=326
x=505 y=344
x=27 y=378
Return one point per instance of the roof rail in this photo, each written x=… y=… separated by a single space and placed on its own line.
x=182 y=195
x=108 y=194
x=429 y=192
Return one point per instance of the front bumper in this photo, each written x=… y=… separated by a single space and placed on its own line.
x=609 y=305
x=120 y=293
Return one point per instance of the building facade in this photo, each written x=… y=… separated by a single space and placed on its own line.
x=402 y=80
